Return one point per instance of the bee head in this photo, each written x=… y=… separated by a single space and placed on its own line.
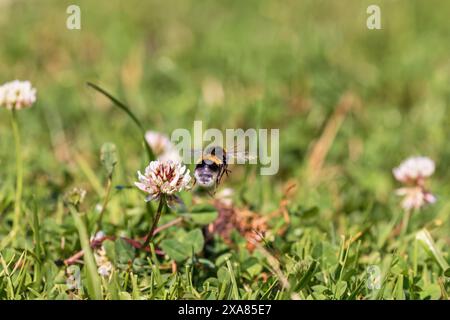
x=206 y=173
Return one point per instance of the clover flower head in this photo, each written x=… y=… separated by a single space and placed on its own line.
x=415 y=197
x=162 y=147
x=413 y=173
x=104 y=265
x=414 y=170
x=98 y=236
x=16 y=95
x=163 y=178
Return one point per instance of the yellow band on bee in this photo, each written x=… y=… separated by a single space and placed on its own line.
x=211 y=158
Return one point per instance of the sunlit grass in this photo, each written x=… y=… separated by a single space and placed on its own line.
x=350 y=105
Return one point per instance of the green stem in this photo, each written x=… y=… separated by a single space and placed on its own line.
x=19 y=172
x=104 y=205
x=37 y=250
x=405 y=223
x=162 y=202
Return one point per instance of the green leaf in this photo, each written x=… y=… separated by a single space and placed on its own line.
x=202 y=208
x=398 y=290
x=124 y=251
x=202 y=214
x=223 y=275
x=431 y=291
x=310 y=213
x=447 y=273
x=125 y=296
x=110 y=248
x=341 y=287
x=320 y=288
x=182 y=248
x=252 y=266
x=306 y=278
x=108 y=157
x=203 y=218
x=194 y=239
x=254 y=270
x=207 y=263
x=223 y=258
x=175 y=249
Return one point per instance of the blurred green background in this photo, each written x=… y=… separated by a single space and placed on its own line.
x=235 y=64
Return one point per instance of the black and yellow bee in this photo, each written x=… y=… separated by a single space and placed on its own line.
x=213 y=165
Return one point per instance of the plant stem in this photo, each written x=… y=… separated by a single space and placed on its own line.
x=19 y=172
x=104 y=205
x=405 y=223
x=37 y=250
x=162 y=202
x=135 y=243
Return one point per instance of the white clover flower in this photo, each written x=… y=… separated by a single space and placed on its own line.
x=159 y=142
x=162 y=147
x=16 y=95
x=414 y=170
x=104 y=265
x=170 y=155
x=163 y=178
x=105 y=269
x=415 y=197
x=98 y=236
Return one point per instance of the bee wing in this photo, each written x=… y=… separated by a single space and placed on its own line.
x=233 y=153
x=237 y=153
x=242 y=155
x=193 y=154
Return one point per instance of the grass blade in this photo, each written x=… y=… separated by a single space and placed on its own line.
x=424 y=237
x=93 y=280
x=119 y=104
x=128 y=111
x=233 y=281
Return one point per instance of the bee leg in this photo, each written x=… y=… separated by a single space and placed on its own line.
x=219 y=178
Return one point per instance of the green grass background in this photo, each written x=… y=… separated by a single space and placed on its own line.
x=282 y=65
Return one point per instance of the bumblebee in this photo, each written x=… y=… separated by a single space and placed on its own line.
x=213 y=165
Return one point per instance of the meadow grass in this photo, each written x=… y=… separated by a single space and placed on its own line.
x=350 y=104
